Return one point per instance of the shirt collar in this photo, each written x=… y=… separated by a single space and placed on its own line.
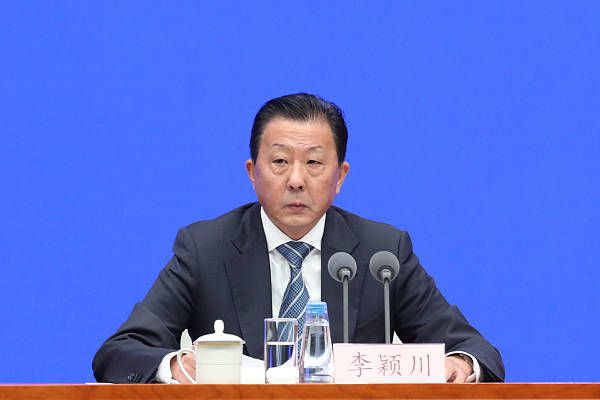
x=275 y=237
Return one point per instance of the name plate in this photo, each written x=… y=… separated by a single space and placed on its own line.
x=389 y=363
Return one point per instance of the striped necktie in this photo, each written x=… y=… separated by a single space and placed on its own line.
x=296 y=296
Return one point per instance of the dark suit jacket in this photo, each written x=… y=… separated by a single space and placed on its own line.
x=220 y=270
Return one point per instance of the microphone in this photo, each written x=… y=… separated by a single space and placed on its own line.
x=342 y=268
x=384 y=267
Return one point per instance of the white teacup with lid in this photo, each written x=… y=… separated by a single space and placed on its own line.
x=218 y=357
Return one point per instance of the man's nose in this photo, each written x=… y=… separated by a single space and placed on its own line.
x=296 y=177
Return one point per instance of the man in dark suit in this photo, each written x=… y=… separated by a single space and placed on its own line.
x=232 y=268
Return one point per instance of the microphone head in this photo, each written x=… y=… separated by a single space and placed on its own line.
x=339 y=262
x=382 y=261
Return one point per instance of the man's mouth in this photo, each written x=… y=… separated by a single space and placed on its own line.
x=296 y=206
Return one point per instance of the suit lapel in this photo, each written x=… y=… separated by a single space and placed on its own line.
x=339 y=237
x=250 y=278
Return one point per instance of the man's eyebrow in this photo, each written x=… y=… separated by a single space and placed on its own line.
x=285 y=146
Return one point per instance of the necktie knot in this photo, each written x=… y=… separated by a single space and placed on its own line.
x=294 y=252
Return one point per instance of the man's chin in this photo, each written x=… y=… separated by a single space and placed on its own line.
x=297 y=227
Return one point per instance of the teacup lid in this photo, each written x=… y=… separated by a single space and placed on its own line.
x=219 y=336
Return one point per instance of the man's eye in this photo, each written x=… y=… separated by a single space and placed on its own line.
x=313 y=162
x=279 y=161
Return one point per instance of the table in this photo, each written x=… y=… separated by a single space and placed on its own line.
x=305 y=391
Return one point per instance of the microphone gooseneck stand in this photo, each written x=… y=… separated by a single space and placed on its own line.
x=342 y=268
x=345 y=303
x=384 y=267
x=386 y=276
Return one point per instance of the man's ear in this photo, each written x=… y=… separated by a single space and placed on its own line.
x=250 y=171
x=343 y=171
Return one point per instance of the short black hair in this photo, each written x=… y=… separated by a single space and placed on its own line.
x=301 y=107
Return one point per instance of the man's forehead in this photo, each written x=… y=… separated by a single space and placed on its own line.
x=285 y=131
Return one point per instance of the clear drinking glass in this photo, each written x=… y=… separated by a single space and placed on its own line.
x=281 y=339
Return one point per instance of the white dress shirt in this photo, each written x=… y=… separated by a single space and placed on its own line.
x=280 y=276
x=280 y=268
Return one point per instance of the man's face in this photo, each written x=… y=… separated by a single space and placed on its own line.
x=296 y=174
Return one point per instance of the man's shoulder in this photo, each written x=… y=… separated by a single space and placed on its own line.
x=223 y=226
x=368 y=229
x=356 y=220
x=230 y=219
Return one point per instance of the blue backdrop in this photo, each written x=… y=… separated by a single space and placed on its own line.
x=473 y=125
